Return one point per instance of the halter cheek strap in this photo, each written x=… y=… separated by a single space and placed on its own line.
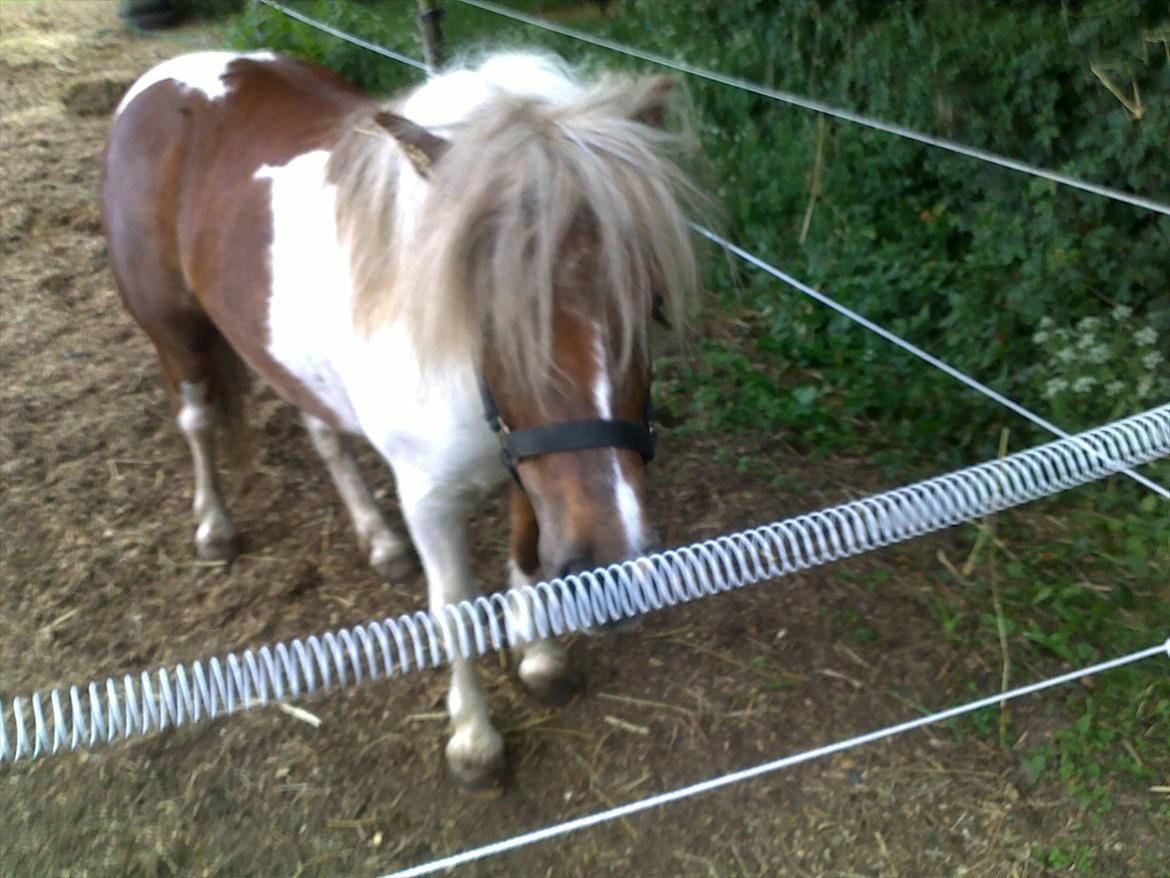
x=518 y=445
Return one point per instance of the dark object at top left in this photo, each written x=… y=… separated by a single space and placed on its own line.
x=154 y=14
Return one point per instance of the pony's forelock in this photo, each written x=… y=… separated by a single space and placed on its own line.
x=540 y=159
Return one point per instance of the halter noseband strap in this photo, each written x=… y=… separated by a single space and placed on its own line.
x=518 y=445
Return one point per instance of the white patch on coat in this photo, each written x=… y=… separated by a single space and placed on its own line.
x=201 y=71
x=373 y=384
x=602 y=390
x=309 y=323
x=629 y=509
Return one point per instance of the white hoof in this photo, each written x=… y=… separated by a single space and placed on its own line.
x=393 y=560
x=217 y=540
x=545 y=672
x=475 y=756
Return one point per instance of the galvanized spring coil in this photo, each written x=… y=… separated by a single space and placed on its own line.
x=171 y=697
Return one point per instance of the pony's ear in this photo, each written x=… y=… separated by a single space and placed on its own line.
x=653 y=100
x=420 y=147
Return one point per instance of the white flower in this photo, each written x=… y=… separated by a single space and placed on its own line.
x=1150 y=360
x=1040 y=337
x=1145 y=336
x=1084 y=384
x=1122 y=312
x=1054 y=386
x=1114 y=387
x=1066 y=355
x=1047 y=323
x=1144 y=386
x=1088 y=324
x=1086 y=341
x=1099 y=354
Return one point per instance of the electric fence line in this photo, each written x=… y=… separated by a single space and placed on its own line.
x=706 y=786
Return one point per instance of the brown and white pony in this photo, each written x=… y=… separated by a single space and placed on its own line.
x=504 y=225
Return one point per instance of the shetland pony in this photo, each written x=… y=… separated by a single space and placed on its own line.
x=498 y=237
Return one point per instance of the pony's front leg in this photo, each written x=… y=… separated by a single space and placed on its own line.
x=544 y=664
x=390 y=555
x=437 y=516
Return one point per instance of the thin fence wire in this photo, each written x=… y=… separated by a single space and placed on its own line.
x=826 y=109
x=170 y=697
x=706 y=786
x=346 y=37
x=801 y=287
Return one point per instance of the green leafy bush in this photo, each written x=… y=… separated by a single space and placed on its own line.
x=1104 y=366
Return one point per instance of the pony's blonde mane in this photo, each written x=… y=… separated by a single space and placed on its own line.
x=483 y=259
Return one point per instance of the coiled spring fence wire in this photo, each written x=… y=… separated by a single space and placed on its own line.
x=172 y=697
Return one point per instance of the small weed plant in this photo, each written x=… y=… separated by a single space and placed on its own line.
x=1100 y=369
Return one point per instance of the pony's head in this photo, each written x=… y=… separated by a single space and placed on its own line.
x=554 y=233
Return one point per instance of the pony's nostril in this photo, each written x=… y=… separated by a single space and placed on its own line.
x=576 y=565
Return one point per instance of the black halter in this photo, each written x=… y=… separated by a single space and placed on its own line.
x=518 y=445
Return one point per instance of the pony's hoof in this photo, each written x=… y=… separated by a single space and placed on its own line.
x=212 y=545
x=394 y=563
x=549 y=679
x=476 y=759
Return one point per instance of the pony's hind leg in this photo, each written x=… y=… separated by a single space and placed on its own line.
x=391 y=556
x=215 y=537
x=544 y=664
x=204 y=373
x=143 y=168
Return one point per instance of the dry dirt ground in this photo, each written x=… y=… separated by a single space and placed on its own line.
x=98 y=578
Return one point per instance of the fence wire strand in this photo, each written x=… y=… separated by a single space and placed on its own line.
x=994 y=395
x=826 y=109
x=706 y=786
x=346 y=37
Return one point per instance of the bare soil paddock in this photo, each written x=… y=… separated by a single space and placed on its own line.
x=98 y=577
